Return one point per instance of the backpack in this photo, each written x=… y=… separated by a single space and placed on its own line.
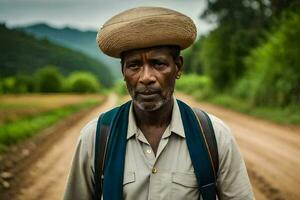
x=208 y=190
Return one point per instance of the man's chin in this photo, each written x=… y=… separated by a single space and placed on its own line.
x=148 y=106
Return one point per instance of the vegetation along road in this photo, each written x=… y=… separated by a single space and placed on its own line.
x=271 y=153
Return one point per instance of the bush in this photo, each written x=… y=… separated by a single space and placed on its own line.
x=8 y=85
x=199 y=86
x=48 y=79
x=82 y=82
x=24 y=84
x=17 y=84
x=242 y=88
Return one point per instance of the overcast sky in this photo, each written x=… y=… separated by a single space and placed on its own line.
x=88 y=14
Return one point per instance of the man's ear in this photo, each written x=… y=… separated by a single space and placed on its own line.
x=122 y=69
x=179 y=65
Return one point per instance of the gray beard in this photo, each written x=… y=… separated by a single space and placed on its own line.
x=149 y=106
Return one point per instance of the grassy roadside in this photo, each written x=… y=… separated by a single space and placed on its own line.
x=289 y=115
x=20 y=129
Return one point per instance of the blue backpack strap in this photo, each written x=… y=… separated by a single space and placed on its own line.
x=210 y=138
x=196 y=130
x=207 y=132
x=102 y=134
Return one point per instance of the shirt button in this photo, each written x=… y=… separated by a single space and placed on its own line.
x=154 y=170
x=149 y=151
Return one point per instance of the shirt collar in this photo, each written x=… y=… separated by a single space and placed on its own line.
x=176 y=125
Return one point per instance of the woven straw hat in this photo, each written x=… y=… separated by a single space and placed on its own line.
x=145 y=27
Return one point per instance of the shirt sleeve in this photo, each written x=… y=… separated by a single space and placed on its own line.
x=233 y=181
x=80 y=183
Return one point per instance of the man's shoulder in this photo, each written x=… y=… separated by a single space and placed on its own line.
x=89 y=128
x=88 y=132
x=218 y=124
x=222 y=131
x=224 y=136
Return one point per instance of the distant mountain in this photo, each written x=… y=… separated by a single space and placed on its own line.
x=84 y=41
x=22 y=53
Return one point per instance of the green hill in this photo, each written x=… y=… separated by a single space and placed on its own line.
x=22 y=53
x=84 y=41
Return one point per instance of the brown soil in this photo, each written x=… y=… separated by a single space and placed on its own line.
x=271 y=153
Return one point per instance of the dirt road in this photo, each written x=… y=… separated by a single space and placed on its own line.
x=271 y=153
x=46 y=178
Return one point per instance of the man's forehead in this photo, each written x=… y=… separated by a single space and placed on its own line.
x=159 y=51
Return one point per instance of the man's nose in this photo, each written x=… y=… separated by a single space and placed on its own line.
x=147 y=75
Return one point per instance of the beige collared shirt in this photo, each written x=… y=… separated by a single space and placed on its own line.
x=168 y=175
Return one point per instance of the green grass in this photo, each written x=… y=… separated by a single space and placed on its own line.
x=21 y=129
x=289 y=115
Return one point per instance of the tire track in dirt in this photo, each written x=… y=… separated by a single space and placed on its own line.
x=271 y=152
x=46 y=178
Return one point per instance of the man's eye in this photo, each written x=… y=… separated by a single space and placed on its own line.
x=160 y=64
x=133 y=66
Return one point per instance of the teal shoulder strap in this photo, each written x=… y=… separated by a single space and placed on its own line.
x=210 y=138
x=199 y=133
x=102 y=134
x=211 y=142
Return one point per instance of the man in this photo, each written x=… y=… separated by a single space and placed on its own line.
x=149 y=155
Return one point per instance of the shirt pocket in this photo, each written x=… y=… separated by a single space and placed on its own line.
x=184 y=186
x=128 y=181
x=129 y=177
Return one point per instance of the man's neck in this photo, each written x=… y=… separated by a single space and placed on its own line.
x=154 y=123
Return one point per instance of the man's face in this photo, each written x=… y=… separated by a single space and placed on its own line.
x=150 y=76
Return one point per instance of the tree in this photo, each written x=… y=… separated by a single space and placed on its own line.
x=82 y=82
x=192 y=62
x=241 y=25
x=275 y=65
x=48 y=80
x=215 y=59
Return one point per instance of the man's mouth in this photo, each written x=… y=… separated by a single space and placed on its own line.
x=148 y=95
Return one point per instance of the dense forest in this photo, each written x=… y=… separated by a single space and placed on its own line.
x=253 y=54
x=23 y=54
